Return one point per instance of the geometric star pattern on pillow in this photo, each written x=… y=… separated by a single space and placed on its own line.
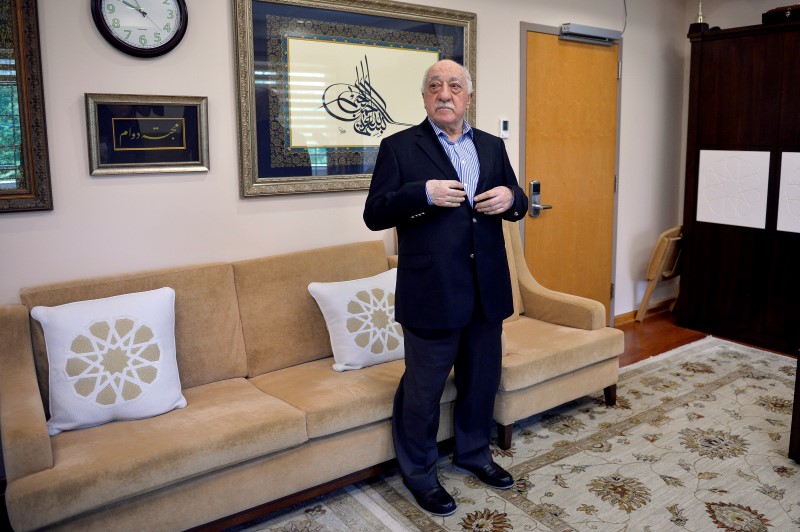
x=371 y=321
x=359 y=315
x=113 y=360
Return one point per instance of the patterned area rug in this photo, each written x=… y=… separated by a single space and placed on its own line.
x=698 y=441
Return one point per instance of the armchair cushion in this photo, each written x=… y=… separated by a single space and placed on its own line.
x=529 y=360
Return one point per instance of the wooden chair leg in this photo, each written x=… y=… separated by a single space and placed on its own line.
x=504 y=436
x=610 y=394
x=645 y=300
x=675 y=301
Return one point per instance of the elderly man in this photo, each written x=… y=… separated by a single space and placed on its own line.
x=446 y=187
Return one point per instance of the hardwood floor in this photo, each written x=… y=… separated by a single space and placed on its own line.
x=657 y=334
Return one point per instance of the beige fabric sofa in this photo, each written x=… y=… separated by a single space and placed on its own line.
x=267 y=416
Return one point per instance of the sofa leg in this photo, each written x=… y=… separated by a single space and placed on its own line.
x=610 y=393
x=504 y=436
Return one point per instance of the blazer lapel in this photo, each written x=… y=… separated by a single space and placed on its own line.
x=429 y=144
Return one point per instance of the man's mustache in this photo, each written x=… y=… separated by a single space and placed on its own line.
x=445 y=105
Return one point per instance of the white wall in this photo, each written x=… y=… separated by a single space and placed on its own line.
x=116 y=224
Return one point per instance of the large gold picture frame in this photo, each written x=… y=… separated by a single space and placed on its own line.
x=321 y=82
x=24 y=161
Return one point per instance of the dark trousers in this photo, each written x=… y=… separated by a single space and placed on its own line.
x=475 y=352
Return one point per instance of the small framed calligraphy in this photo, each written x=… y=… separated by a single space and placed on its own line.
x=322 y=82
x=131 y=134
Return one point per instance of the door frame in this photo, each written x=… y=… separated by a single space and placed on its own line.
x=526 y=27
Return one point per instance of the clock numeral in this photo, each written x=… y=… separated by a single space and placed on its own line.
x=115 y=23
x=142 y=40
x=167 y=27
x=157 y=37
x=127 y=34
x=170 y=14
x=111 y=8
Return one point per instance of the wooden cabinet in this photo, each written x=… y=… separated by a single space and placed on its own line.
x=742 y=282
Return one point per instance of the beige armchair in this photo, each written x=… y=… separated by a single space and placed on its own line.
x=557 y=347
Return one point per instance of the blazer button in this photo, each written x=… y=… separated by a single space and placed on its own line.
x=472 y=255
x=474 y=220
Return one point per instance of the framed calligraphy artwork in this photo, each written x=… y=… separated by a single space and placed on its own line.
x=146 y=134
x=24 y=160
x=321 y=82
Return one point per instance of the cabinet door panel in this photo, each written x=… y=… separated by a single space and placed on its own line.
x=725 y=285
x=790 y=99
x=782 y=306
x=729 y=113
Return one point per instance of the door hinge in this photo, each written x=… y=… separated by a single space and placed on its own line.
x=612 y=290
x=616 y=183
x=619 y=69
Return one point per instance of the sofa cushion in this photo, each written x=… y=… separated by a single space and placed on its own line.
x=224 y=423
x=111 y=359
x=208 y=333
x=359 y=315
x=537 y=350
x=282 y=323
x=335 y=401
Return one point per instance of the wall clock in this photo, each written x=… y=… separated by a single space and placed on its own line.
x=144 y=28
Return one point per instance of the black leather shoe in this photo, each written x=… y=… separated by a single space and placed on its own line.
x=491 y=474
x=435 y=501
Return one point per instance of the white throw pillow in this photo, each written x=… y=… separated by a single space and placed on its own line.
x=360 y=319
x=111 y=359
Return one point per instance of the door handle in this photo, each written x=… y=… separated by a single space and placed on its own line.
x=536 y=197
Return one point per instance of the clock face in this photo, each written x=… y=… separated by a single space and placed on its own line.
x=143 y=28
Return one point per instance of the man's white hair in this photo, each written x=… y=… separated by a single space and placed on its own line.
x=467 y=76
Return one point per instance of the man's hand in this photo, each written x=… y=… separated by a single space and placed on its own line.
x=446 y=192
x=494 y=201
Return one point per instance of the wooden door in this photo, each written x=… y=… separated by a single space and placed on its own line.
x=571 y=137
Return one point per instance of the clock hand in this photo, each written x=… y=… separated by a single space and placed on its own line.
x=151 y=20
x=142 y=11
x=136 y=7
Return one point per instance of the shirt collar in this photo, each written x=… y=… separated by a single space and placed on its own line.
x=465 y=130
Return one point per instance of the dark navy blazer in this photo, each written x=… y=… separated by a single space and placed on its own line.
x=443 y=251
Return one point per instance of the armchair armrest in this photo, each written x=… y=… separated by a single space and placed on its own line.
x=393 y=259
x=23 y=427
x=557 y=307
x=548 y=305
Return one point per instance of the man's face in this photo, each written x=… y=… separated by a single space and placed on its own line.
x=446 y=97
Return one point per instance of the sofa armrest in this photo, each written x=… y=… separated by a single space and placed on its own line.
x=393 y=260
x=557 y=307
x=23 y=427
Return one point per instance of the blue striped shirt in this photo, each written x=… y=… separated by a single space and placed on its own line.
x=463 y=156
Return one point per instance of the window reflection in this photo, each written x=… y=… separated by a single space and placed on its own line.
x=11 y=175
x=24 y=166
